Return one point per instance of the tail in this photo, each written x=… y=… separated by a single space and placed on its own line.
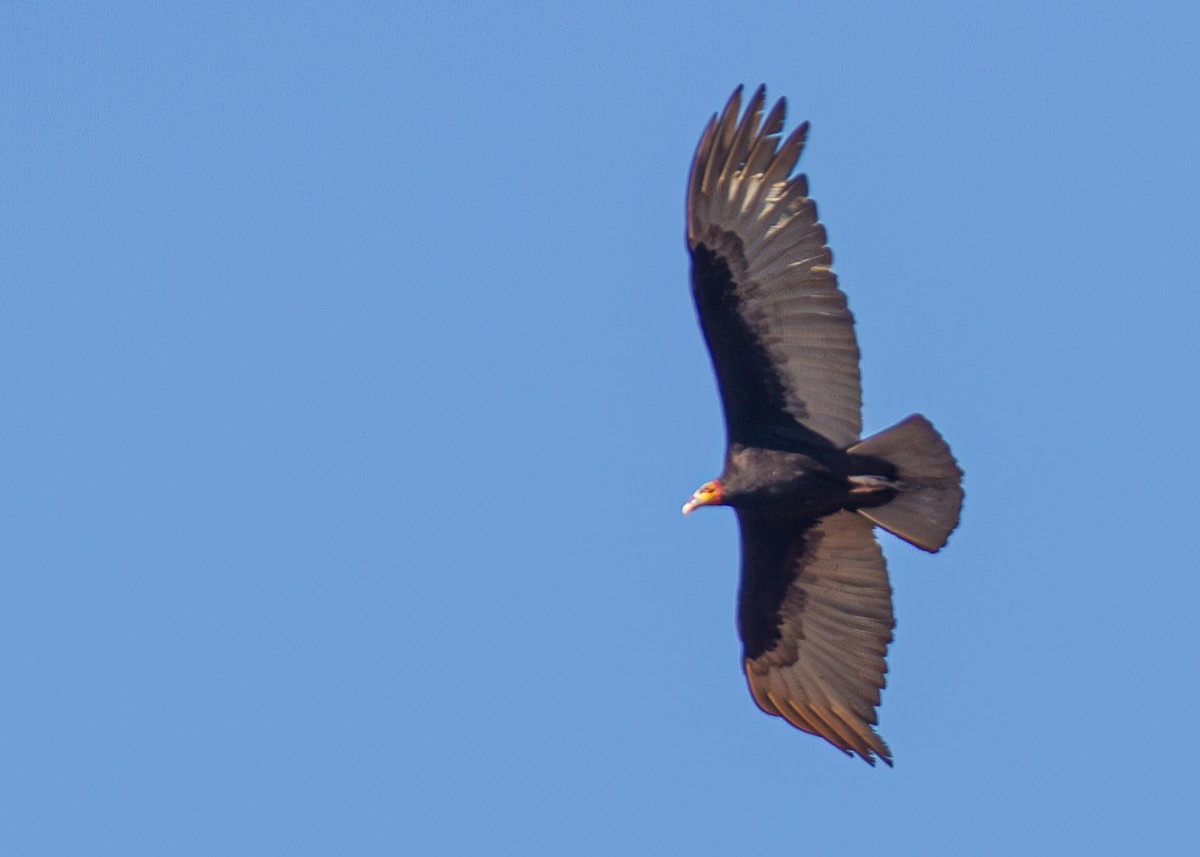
x=926 y=510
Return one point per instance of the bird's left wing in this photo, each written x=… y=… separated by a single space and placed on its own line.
x=777 y=326
x=815 y=616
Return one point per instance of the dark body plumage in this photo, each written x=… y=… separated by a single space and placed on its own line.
x=815 y=611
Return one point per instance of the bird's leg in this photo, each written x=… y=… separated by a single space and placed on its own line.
x=871 y=484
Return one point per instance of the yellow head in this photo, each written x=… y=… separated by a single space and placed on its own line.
x=708 y=494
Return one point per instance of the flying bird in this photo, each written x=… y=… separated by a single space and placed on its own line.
x=814 y=605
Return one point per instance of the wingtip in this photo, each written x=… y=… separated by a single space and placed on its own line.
x=874 y=755
x=735 y=99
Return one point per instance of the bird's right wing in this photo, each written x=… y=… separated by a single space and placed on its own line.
x=777 y=326
x=815 y=616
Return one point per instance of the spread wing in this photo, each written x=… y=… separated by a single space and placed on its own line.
x=815 y=616
x=777 y=326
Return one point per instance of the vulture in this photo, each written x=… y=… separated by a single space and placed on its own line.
x=814 y=603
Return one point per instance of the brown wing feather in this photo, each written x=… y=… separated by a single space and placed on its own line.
x=815 y=616
x=777 y=326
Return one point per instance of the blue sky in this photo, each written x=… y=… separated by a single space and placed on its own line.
x=351 y=390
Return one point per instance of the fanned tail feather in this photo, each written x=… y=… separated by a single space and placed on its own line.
x=926 y=510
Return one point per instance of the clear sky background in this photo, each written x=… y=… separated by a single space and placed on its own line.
x=351 y=388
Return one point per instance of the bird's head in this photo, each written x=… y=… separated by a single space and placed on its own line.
x=708 y=494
